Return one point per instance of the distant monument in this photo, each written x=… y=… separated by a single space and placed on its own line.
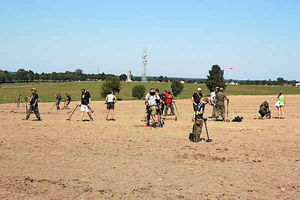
x=129 y=77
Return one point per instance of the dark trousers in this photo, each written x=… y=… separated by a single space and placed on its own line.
x=171 y=106
x=34 y=110
x=57 y=104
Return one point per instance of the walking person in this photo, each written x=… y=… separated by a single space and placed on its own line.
x=18 y=100
x=58 y=100
x=33 y=105
x=196 y=99
x=169 y=103
x=85 y=102
x=110 y=101
x=68 y=101
x=220 y=104
x=280 y=105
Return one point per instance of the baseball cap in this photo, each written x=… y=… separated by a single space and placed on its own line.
x=199 y=89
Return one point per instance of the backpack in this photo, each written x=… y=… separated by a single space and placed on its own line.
x=195 y=135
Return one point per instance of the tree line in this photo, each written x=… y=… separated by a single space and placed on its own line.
x=23 y=75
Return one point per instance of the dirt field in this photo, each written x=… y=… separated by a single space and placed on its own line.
x=59 y=159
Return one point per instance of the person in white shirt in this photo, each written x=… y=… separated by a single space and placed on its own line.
x=151 y=100
x=212 y=101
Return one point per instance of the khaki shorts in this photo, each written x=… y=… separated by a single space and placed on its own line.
x=152 y=110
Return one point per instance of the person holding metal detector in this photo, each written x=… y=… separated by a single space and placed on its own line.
x=58 y=100
x=110 y=101
x=67 y=101
x=33 y=105
x=169 y=103
x=151 y=107
x=19 y=100
x=85 y=102
x=198 y=123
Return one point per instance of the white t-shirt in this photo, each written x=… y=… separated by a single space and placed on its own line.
x=212 y=97
x=152 y=99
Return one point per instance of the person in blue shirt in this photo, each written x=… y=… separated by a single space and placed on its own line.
x=198 y=120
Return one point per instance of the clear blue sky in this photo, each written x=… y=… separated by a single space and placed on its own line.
x=184 y=38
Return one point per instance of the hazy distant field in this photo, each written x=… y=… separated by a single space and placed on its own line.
x=8 y=92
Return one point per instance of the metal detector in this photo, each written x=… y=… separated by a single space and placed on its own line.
x=53 y=106
x=227 y=109
x=176 y=108
x=72 y=112
x=208 y=139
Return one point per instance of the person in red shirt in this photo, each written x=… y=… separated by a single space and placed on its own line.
x=169 y=103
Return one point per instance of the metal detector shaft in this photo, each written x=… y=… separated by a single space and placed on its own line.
x=91 y=109
x=208 y=139
x=53 y=106
x=227 y=112
x=73 y=112
x=176 y=108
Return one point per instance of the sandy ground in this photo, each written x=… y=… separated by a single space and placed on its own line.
x=59 y=159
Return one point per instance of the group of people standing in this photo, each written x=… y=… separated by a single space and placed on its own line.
x=217 y=101
x=158 y=104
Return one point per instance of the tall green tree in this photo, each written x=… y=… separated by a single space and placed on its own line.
x=280 y=81
x=176 y=87
x=113 y=83
x=215 y=78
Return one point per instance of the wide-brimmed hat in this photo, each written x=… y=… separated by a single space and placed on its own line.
x=199 y=89
x=82 y=88
x=33 y=89
x=152 y=90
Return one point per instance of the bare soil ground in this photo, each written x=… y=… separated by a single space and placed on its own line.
x=59 y=159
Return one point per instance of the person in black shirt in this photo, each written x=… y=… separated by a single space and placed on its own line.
x=85 y=101
x=58 y=99
x=68 y=100
x=33 y=105
x=196 y=99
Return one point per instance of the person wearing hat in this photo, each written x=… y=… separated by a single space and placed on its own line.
x=151 y=105
x=85 y=101
x=220 y=104
x=213 y=95
x=33 y=105
x=196 y=99
x=110 y=101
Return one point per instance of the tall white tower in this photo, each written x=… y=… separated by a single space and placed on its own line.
x=145 y=61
